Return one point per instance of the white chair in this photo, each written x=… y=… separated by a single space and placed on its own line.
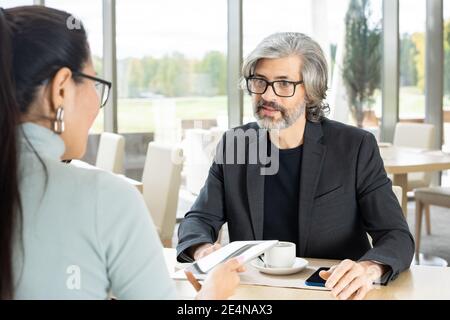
x=426 y=197
x=161 y=180
x=416 y=135
x=199 y=150
x=398 y=193
x=111 y=152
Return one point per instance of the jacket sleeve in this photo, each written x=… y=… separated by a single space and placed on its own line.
x=393 y=244
x=203 y=222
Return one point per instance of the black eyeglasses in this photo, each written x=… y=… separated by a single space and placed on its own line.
x=282 y=88
x=102 y=87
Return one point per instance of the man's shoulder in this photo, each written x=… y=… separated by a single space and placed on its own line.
x=249 y=130
x=328 y=126
x=332 y=128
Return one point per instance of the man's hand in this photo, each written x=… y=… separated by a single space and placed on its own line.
x=352 y=280
x=203 y=250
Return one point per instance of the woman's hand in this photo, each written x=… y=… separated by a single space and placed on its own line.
x=220 y=283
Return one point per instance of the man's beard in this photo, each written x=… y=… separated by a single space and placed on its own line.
x=288 y=117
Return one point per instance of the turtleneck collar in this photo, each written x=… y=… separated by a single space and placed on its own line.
x=43 y=140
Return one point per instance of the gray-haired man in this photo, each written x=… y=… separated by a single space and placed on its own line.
x=329 y=190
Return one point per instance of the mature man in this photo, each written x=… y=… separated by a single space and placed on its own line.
x=322 y=184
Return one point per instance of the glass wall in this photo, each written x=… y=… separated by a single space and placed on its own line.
x=90 y=13
x=325 y=22
x=15 y=3
x=172 y=66
x=412 y=60
x=264 y=17
x=446 y=98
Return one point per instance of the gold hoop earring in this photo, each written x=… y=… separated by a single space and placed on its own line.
x=58 y=124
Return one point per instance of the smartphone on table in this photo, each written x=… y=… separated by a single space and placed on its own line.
x=315 y=280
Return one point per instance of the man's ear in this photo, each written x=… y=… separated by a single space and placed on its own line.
x=58 y=88
x=307 y=100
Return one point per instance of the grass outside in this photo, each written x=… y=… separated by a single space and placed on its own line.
x=412 y=103
x=142 y=115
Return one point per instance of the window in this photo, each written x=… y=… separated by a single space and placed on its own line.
x=324 y=21
x=262 y=18
x=446 y=98
x=90 y=12
x=412 y=60
x=15 y=3
x=171 y=66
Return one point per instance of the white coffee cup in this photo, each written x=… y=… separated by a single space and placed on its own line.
x=281 y=255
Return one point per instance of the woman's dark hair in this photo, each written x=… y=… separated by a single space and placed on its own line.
x=35 y=43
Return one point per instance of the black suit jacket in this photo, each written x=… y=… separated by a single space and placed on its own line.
x=344 y=194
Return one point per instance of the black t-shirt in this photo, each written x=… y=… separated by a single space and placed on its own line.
x=281 y=198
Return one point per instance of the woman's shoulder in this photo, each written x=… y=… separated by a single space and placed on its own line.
x=103 y=195
x=92 y=181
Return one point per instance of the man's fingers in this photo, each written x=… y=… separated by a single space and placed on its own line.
x=208 y=250
x=325 y=274
x=211 y=249
x=202 y=254
x=360 y=294
x=346 y=280
x=338 y=273
x=197 y=286
x=349 y=290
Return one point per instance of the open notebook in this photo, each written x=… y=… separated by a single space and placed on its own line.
x=249 y=250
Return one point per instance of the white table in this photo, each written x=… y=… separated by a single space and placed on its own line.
x=399 y=161
x=419 y=282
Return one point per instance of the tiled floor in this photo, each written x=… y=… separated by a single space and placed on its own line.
x=438 y=243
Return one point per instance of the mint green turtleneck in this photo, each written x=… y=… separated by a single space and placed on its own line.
x=86 y=233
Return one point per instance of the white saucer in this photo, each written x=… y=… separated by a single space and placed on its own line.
x=299 y=265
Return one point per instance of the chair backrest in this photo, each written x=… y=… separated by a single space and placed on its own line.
x=398 y=193
x=414 y=135
x=199 y=148
x=111 y=152
x=161 y=179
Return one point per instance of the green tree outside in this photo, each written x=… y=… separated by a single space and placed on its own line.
x=362 y=58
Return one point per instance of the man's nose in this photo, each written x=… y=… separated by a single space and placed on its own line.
x=269 y=95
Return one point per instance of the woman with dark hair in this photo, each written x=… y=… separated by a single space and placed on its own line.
x=67 y=232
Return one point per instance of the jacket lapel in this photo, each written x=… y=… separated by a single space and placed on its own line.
x=313 y=156
x=255 y=187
